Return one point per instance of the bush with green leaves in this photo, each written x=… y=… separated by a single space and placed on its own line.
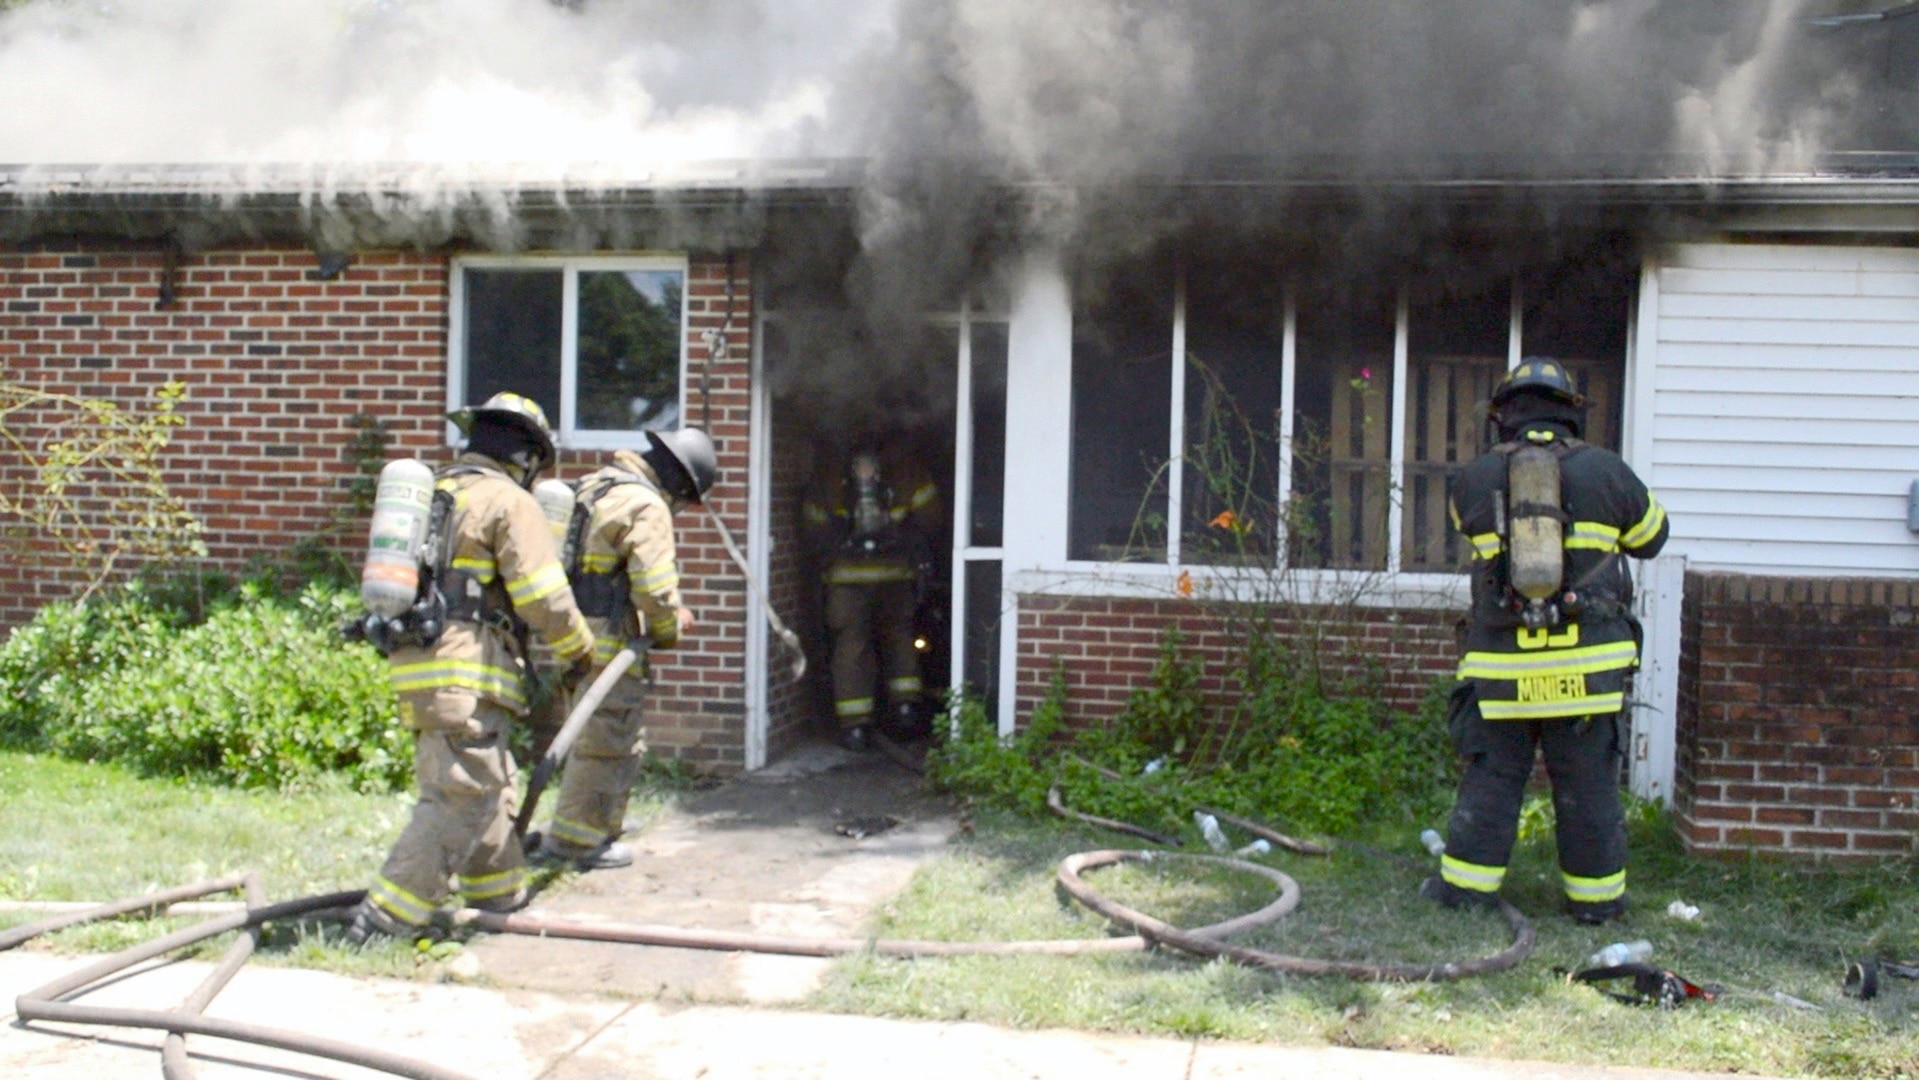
x=1289 y=750
x=259 y=691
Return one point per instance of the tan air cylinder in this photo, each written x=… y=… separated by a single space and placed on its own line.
x=390 y=577
x=1536 y=551
x=556 y=503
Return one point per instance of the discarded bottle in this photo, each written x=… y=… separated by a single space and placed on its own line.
x=1621 y=952
x=1434 y=842
x=1257 y=847
x=1209 y=828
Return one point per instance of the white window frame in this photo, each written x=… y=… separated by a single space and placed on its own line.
x=565 y=429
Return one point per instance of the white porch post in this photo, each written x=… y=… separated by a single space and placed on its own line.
x=1655 y=708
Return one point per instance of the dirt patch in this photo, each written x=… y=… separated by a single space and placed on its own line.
x=801 y=849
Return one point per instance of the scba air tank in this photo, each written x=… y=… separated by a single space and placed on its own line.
x=556 y=503
x=390 y=578
x=1537 y=551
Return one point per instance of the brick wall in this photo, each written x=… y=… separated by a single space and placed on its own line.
x=1798 y=724
x=276 y=364
x=1107 y=648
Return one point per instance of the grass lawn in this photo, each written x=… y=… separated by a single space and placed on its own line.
x=1761 y=930
x=93 y=832
x=77 y=831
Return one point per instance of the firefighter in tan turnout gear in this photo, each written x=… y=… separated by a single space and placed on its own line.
x=1551 y=642
x=873 y=524
x=625 y=572
x=460 y=666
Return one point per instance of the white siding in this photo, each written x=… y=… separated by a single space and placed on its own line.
x=1785 y=406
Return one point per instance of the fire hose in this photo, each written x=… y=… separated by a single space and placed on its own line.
x=569 y=733
x=47 y=1002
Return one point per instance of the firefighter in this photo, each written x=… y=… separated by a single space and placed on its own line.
x=874 y=523
x=1550 y=643
x=498 y=574
x=626 y=575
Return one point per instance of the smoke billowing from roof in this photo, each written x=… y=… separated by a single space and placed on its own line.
x=950 y=104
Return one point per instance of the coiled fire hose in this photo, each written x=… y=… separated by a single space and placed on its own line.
x=48 y=1002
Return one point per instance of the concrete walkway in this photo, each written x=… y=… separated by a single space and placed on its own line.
x=502 y=1035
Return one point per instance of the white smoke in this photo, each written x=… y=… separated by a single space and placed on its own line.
x=630 y=86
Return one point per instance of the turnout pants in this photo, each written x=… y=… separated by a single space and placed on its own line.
x=598 y=776
x=1590 y=830
x=863 y=618
x=461 y=831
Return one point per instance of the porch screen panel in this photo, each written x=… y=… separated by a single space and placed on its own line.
x=988 y=511
x=629 y=366
x=512 y=327
x=1122 y=416
x=1235 y=340
x=1342 y=426
x=1579 y=313
x=1456 y=353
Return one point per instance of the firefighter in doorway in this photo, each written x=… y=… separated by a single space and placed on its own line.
x=873 y=523
x=625 y=571
x=1550 y=643
x=491 y=563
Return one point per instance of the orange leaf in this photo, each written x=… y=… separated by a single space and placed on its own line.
x=1225 y=519
x=1185 y=584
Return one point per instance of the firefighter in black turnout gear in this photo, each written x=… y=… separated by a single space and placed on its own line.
x=1551 y=642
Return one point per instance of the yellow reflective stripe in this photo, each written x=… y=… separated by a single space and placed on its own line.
x=867 y=575
x=656 y=579
x=480 y=568
x=1486 y=879
x=599 y=564
x=1590 y=705
x=576 y=834
x=400 y=903
x=664 y=626
x=1593 y=536
x=572 y=644
x=1486 y=545
x=922 y=495
x=909 y=684
x=898 y=513
x=538 y=585
x=488 y=886
x=471 y=674
x=814 y=514
x=854 y=707
x=1581 y=661
x=1594 y=890
x=1648 y=526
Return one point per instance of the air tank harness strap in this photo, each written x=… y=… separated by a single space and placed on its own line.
x=599 y=593
x=467 y=600
x=1650 y=985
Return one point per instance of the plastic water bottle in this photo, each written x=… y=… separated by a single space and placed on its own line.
x=1434 y=842
x=1621 y=952
x=1209 y=828
x=1257 y=847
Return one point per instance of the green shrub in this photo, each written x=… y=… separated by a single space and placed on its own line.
x=260 y=693
x=1285 y=749
x=46 y=665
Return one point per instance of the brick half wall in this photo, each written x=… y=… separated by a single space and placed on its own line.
x=1798 y=724
x=1107 y=648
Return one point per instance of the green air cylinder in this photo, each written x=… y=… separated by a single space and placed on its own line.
x=390 y=576
x=1536 y=550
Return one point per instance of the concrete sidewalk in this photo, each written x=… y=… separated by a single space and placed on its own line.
x=505 y=1034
